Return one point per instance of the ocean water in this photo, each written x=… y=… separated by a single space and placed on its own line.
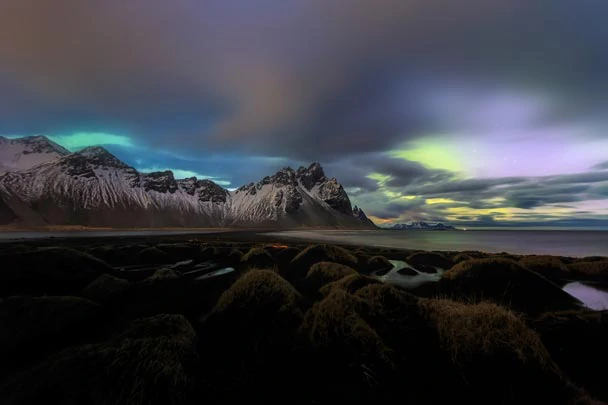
x=554 y=242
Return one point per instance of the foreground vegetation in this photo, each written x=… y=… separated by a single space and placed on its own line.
x=145 y=323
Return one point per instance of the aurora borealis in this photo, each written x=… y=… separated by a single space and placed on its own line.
x=473 y=112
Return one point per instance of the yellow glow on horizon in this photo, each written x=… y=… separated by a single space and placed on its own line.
x=381 y=221
x=431 y=201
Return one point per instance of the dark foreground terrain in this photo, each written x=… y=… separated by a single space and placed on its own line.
x=225 y=319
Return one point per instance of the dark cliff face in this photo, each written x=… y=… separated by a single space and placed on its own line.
x=311 y=176
x=162 y=182
x=360 y=215
x=206 y=190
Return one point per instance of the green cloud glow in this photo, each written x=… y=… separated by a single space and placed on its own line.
x=79 y=140
x=434 y=154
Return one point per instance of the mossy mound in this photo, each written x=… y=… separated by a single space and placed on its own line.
x=547 y=266
x=162 y=275
x=352 y=353
x=299 y=266
x=235 y=256
x=350 y=284
x=125 y=255
x=154 y=255
x=576 y=341
x=31 y=327
x=504 y=282
x=49 y=271
x=495 y=356
x=429 y=259
x=180 y=251
x=591 y=270
x=378 y=263
x=152 y=362
x=323 y=273
x=248 y=339
x=258 y=258
x=105 y=288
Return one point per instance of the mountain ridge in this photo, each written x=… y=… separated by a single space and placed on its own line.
x=92 y=187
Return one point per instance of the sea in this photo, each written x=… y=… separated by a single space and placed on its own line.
x=575 y=243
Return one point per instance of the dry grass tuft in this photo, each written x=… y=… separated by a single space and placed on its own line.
x=505 y=282
x=486 y=329
x=350 y=284
x=258 y=290
x=105 y=288
x=258 y=257
x=597 y=269
x=149 y=363
x=327 y=272
x=429 y=259
x=548 y=266
x=299 y=266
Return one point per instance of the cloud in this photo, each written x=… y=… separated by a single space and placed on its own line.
x=305 y=80
x=601 y=166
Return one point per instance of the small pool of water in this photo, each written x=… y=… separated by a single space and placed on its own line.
x=406 y=281
x=215 y=273
x=591 y=297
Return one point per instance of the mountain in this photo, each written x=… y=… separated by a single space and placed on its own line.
x=423 y=226
x=94 y=188
x=25 y=153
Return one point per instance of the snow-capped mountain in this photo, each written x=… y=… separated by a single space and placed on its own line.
x=94 y=188
x=424 y=226
x=25 y=153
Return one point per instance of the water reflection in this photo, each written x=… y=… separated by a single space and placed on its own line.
x=407 y=281
x=591 y=297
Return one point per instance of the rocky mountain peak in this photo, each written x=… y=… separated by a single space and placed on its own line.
x=36 y=144
x=312 y=175
x=162 y=182
x=206 y=190
x=86 y=161
x=284 y=177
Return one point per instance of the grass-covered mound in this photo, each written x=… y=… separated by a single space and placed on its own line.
x=323 y=273
x=352 y=361
x=424 y=260
x=122 y=255
x=350 y=284
x=258 y=258
x=54 y=270
x=590 y=269
x=248 y=339
x=152 y=362
x=548 y=266
x=495 y=356
x=299 y=266
x=377 y=264
x=154 y=255
x=31 y=327
x=105 y=288
x=506 y=283
x=576 y=341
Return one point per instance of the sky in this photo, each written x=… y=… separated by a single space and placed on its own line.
x=472 y=112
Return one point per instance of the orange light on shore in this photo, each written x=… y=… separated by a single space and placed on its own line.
x=278 y=246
